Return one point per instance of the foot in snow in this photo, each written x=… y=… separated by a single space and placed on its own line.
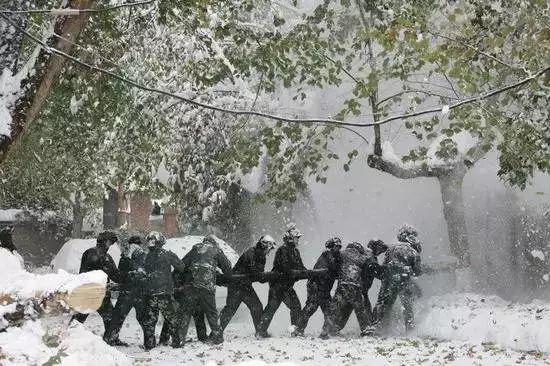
x=297 y=333
x=116 y=342
x=324 y=335
x=262 y=334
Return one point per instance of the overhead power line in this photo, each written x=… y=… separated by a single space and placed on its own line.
x=327 y=121
x=72 y=11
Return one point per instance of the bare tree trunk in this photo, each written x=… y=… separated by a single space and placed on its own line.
x=78 y=216
x=38 y=87
x=454 y=214
x=110 y=209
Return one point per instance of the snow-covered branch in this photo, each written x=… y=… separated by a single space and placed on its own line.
x=281 y=118
x=75 y=11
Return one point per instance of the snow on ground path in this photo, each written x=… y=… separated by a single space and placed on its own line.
x=309 y=351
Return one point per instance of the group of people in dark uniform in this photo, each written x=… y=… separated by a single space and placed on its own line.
x=155 y=281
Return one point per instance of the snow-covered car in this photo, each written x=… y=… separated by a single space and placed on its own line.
x=68 y=257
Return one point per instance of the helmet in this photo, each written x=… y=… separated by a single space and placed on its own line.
x=266 y=242
x=106 y=236
x=408 y=234
x=155 y=239
x=210 y=239
x=405 y=232
x=291 y=233
x=377 y=246
x=357 y=246
x=332 y=242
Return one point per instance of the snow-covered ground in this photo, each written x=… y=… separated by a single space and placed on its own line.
x=456 y=330
x=243 y=349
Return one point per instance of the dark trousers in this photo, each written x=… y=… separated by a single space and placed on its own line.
x=125 y=302
x=349 y=298
x=198 y=319
x=277 y=295
x=392 y=287
x=237 y=295
x=155 y=304
x=340 y=320
x=105 y=311
x=316 y=298
x=199 y=299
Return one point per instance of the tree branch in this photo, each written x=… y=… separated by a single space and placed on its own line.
x=328 y=121
x=382 y=101
x=398 y=170
x=477 y=50
x=73 y=11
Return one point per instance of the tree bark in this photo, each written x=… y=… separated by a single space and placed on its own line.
x=455 y=216
x=78 y=216
x=110 y=208
x=38 y=87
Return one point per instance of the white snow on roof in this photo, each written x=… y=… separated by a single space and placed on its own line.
x=181 y=246
x=11 y=213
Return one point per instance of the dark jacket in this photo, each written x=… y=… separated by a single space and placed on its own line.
x=132 y=271
x=354 y=261
x=251 y=262
x=96 y=259
x=372 y=270
x=327 y=260
x=202 y=261
x=158 y=269
x=403 y=259
x=287 y=259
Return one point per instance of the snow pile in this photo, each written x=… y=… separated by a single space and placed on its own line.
x=11 y=214
x=68 y=257
x=32 y=344
x=182 y=245
x=481 y=319
x=85 y=348
x=17 y=282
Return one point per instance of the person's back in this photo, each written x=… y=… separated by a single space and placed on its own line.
x=252 y=261
x=158 y=267
x=331 y=261
x=401 y=258
x=203 y=261
x=354 y=259
x=401 y=264
x=201 y=265
x=287 y=259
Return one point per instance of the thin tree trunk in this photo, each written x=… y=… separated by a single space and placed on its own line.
x=78 y=216
x=110 y=209
x=38 y=87
x=454 y=214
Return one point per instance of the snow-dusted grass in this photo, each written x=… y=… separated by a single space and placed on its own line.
x=477 y=318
